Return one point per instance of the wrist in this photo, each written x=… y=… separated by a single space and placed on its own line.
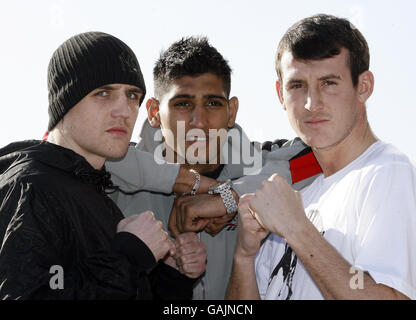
x=185 y=181
x=299 y=233
x=242 y=257
x=170 y=261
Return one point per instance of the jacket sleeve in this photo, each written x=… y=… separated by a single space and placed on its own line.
x=169 y=284
x=276 y=161
x=138 y=170
x=35 y=240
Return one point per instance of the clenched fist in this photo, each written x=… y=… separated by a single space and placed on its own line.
x=190 y=258
x=149 y=230
x=278 y=206
x=250 y=232
x=190 y=254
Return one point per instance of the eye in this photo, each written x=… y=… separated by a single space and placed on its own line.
x=181 y=104
x=296 y=85
x=214 y=103
x=133 y=96
x=102 y=93
x=330 y=83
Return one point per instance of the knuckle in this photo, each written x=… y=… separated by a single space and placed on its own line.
x=146 y=215
x=274 y=177
x=149 y=213
x=182 y=240
x=243 y=204
x=192 y=236
x=184 y=260
x=244 y=196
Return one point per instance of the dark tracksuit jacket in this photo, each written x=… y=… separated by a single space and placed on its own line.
x=54 y=212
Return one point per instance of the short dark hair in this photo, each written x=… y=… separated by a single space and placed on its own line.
x=191 y=56
x=322 y=36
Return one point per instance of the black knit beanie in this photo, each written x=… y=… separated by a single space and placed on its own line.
x=84 y=63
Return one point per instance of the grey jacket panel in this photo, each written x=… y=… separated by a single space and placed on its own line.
x=276 y=161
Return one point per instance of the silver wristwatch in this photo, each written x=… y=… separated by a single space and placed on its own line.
x=224 y=190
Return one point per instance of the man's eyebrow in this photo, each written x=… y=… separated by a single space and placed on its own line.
x=293 y=81
x=110 y=87
x=134 y=89
x=215 y=96
x=207 y=96
x=330 y=76
x=323 y=78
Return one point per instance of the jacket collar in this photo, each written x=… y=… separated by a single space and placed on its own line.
x=57 y=157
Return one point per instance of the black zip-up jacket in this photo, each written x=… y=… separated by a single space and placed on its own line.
x=54 y=212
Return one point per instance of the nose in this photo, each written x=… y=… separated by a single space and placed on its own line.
x=121 y=107
x=313 y=100
x=199 y=117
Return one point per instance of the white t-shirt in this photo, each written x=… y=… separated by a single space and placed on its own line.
x=367 y=211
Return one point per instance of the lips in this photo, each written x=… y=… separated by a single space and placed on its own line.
x=119 y=131
x=196 y=139
x=199 y=142
x=316 y=121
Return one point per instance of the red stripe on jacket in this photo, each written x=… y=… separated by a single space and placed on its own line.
x=304 y=167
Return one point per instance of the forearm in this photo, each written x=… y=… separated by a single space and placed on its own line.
x=138 y=170
x=242 y=284
x=331 y=272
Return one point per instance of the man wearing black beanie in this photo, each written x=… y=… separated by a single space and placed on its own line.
x=62 y=237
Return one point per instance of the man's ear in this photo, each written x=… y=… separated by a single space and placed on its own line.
x=152 y=107
x=232 y=111
x=280 y=93
x=365 y=86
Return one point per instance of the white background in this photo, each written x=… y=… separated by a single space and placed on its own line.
x=245 y=32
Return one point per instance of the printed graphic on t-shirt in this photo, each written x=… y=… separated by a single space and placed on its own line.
x=314 y=216
x=284 y=271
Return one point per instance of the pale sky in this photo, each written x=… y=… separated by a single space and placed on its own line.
x=245 y=32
